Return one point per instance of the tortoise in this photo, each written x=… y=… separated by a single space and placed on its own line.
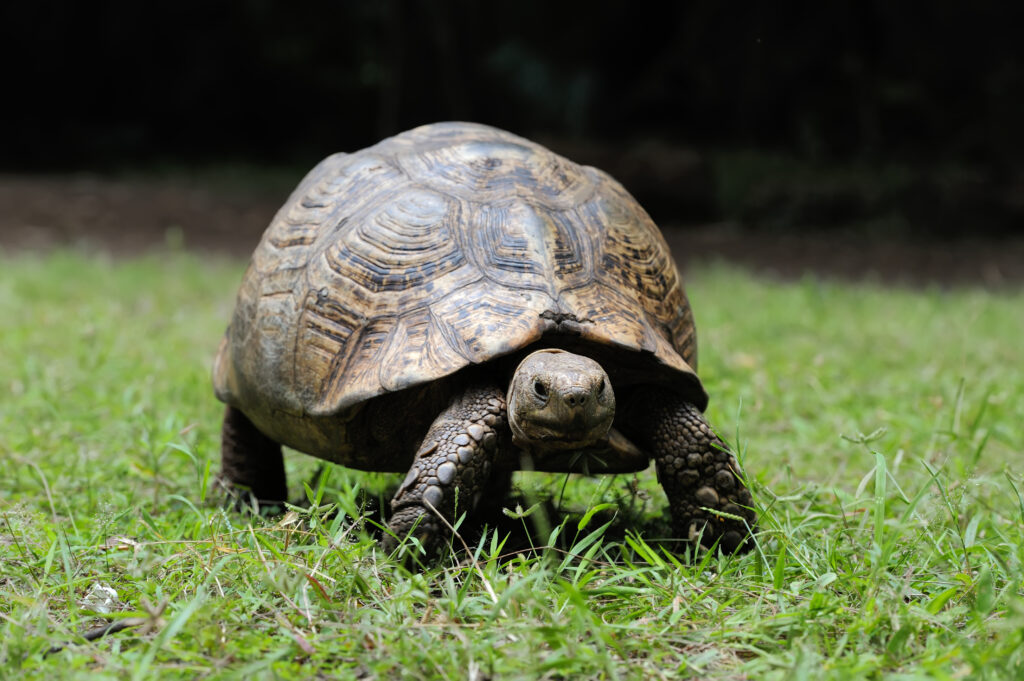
x=456 y=303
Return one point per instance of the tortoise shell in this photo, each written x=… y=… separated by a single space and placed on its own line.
x=444 y=247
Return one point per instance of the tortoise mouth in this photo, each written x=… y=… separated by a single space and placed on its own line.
x=569 y=440
x=579 y=437
x=547 y=429
x=586 y=461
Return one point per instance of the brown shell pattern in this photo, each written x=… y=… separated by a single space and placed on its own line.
x=445 y=246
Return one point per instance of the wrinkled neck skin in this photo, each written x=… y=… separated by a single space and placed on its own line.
x=558 y=402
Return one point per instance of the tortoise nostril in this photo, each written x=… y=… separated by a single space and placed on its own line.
x=576 y=398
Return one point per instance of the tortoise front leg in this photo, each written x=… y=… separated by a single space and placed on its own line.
x=251 y=464
x=451 y=468
x=697 y=471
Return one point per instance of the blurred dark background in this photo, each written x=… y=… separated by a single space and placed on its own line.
x=860 y=118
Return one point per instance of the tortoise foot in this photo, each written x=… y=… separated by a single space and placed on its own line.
x=252 y=466
x=708 y=500
x=450 y=470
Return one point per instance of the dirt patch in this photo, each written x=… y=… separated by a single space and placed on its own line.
x=127 y=217
x=991 y=263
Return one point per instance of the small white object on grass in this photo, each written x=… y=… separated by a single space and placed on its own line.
x=101 y=599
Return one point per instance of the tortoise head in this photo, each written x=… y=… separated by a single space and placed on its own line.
x=558 y=400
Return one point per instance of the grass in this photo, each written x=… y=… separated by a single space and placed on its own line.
x=882 y=431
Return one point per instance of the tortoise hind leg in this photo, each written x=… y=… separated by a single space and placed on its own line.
x=252 y=465
x=697 y=471
x=450 y=470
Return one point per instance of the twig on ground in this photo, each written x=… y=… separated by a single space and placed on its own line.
x=152 y=621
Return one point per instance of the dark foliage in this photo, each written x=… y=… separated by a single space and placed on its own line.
x=119 y=80
x=117 y=83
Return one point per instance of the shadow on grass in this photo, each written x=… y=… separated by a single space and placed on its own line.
x=525 y=522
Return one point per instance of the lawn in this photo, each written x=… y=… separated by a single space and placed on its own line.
x=882 y=430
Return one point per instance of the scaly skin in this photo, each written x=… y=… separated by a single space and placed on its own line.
x=696 y=470
x=451 y=468
x=252 y=466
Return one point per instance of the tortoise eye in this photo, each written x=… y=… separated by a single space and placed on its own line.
x=600 y=388
x=539 y=388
